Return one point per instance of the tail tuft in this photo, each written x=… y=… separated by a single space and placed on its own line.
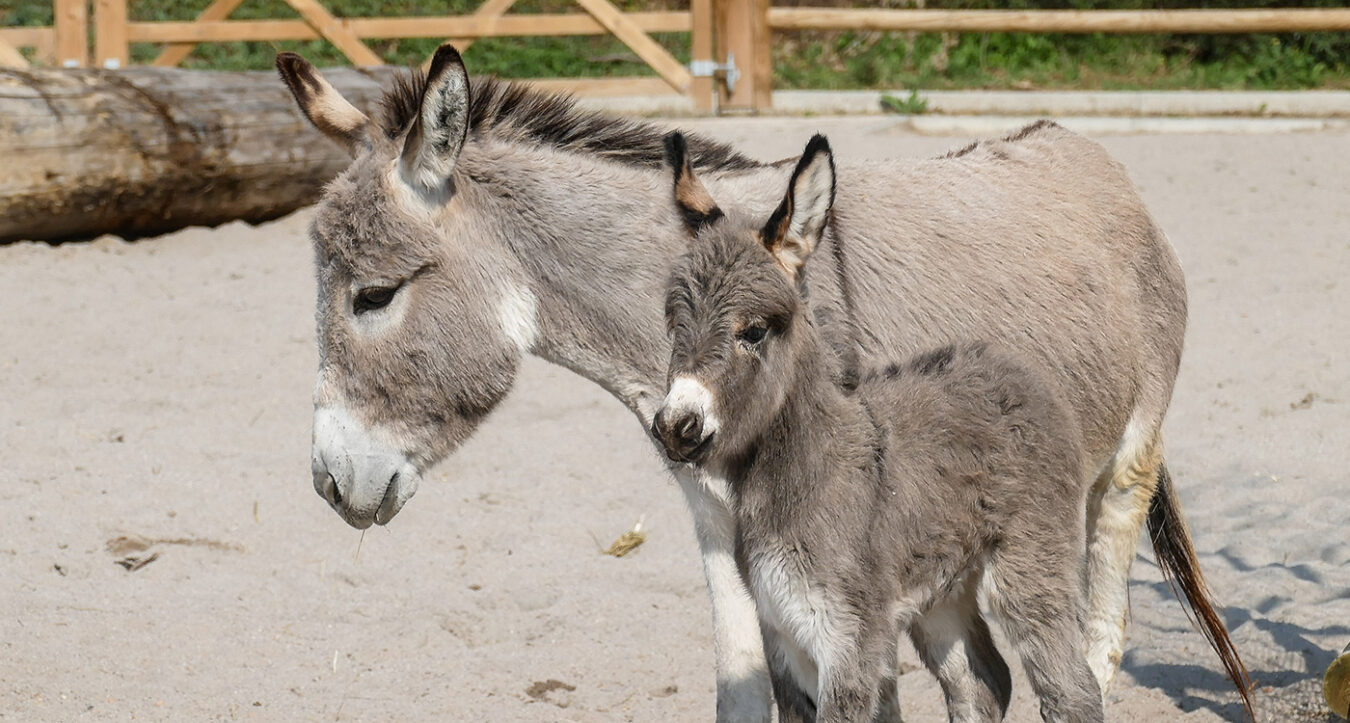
x=1176 y=556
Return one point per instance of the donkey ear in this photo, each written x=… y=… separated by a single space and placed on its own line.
x=442 y=123
x=323 y=105
x=795 y=228
x=696 y=206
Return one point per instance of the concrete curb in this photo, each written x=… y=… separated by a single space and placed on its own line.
x=1108 y=112
x=987 y=125
x=1259 y=104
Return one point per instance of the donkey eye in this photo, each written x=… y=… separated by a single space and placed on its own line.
x=372 y=298
x=752 y=334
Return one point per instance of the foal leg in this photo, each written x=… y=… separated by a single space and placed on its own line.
x=888 y=697
x=1117 y=508
x=955 y=644
x=743 y=687
x=794 y=678
x=849 y=683
x=1035 y=592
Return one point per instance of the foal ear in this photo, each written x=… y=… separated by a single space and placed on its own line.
x=795 y=228
x=323 y=105
x=437 y=134
x=696 y=206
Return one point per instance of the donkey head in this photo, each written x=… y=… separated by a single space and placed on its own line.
x=735 y=311
x=422 y=317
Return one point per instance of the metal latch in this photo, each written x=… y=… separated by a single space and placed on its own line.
x=712 y=69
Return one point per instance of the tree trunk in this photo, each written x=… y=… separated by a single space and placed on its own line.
x=147 y=150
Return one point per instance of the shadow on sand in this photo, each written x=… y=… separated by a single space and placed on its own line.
x=1280 y=693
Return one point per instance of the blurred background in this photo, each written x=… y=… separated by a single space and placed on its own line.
x=165 y=555
x=818 y=59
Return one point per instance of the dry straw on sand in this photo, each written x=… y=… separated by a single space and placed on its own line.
x=628 y=541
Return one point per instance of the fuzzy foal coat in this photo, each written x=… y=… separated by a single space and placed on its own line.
x=857 y=513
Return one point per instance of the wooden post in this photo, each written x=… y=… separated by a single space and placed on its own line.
x=761 y=67
x=72 y=33
x=701 y=89
x=110 y=34
x=744 y=32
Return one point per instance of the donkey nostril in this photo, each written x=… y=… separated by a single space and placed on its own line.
x=337 y=494
x=690 y=427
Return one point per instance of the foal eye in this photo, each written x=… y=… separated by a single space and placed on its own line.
x=752 y=334
x=372 y=298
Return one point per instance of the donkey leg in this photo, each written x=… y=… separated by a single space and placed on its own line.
x=1117 y=509
x=954 y=642
x=743 y=687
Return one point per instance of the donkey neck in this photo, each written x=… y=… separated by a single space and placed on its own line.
x=596 y=241
x=819 y=434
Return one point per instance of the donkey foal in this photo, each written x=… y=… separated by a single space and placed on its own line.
x=865 y=512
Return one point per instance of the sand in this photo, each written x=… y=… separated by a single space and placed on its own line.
x=159 y=391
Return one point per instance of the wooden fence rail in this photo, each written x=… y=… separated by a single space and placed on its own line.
x=64 y=43
x=730 y=40
x=464 y=26
x=1063 y=21
x=756 y=46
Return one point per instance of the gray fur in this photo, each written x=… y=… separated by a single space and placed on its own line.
x=1037 y=244
x=859 y=515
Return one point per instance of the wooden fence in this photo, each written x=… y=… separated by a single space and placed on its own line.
x=730 y=39
x=64 y=43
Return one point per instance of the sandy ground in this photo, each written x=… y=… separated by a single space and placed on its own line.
x=160 y=391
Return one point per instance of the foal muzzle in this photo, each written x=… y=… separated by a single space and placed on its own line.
x=687 y=423
x=682 y=436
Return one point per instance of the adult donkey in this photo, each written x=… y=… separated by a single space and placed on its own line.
x=478 y=224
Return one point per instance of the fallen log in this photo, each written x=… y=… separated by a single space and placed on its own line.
x=144 y=151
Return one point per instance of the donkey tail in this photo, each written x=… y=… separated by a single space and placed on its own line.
x=1176 y=556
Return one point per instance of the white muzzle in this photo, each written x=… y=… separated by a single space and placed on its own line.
x=365 y=480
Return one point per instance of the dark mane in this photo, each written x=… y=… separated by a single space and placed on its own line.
x=1040 y=125
x=515 y=112
x=961 y=151
x=1013 y=137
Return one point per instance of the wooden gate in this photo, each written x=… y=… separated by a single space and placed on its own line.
x=63 y=44
x=737 y=66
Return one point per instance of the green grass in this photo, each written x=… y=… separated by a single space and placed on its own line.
x=824 y=60
x=912 y=105
x=1106 y=62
